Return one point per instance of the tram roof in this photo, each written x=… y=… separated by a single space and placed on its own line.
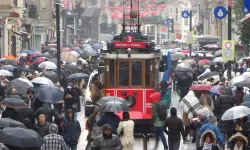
x=133 y=56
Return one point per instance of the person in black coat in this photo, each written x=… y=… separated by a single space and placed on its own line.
x=184 y=84
x=71 y=99
x=9 y=113
x=175 y=127
x=22 y=113
x=47 y=111
x=225 y=102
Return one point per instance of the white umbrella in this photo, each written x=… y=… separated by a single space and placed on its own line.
x=236 y=112
x=218 y=59
x=84 y=62
x=5 y=73
x=246 y=74
x=43 y=81
x=240 y=81
x=47 y=65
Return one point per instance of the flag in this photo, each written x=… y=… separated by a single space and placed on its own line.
x=247 y=4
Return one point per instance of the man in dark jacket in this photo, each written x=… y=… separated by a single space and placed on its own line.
x=184 y=84
x=109 y=118
x=71 y=131
x=47 y=111
x=106 y=140
x=42 y=126
x=225 y=102
x=175 y=127
x=71 y=99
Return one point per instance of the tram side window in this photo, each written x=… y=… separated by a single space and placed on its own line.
x=124 y=73
x=136 y=72
x=112 y=73
x=147 y=72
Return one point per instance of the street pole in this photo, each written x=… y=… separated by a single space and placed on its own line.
x=190 y=29
x=58 y=38
x=168 y=31
x=229 y=14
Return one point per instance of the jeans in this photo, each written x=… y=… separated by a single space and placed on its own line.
x=173 y=144
x=71 y=147
x=160 y=134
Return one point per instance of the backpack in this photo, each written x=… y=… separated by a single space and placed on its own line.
x=162 y=110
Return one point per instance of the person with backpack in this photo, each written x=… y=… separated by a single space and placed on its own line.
x=159 y=114
x=175 y=127
x=165 y=91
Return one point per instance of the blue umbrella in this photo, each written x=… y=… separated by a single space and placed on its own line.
x=47 y=93
x=27 y=52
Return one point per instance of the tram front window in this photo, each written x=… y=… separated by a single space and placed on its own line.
x=112 y=73
x=136 y=72
x=124 y=73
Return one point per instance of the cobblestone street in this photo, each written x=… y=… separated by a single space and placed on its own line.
x=138 y=142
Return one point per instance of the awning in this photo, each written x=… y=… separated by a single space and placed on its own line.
x=91 y=12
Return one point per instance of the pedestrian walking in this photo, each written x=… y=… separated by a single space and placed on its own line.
x=238 y=142
x=126 y=132
x=109 y=118
x=42 y=126
x=157 y=121
x=47 y=111
x=71 y=99
x=71 y=131
x=106 y=141
x=53 y=141
x=175 y=128
x=208 y=141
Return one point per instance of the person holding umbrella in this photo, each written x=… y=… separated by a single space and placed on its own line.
x=70 y=99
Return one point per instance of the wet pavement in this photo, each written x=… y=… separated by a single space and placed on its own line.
x=138 y=141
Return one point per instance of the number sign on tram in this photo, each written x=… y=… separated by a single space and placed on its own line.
x=129 y=43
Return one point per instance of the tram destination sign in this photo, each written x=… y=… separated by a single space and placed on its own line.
x=128 y=43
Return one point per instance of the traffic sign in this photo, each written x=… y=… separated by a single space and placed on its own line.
x=190 y=37
x=228 y=50
x=168 y=21
x=220 y=12
x=247 y=4
x=185 y=14
x=245 y=10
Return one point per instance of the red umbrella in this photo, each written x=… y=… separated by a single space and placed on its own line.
x=186 y=51
x=136 y=115
x=200 y=87
x=203 y=61
x=38 y=54
x=38 y=61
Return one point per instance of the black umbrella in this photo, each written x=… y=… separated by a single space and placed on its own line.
x=20 y=137
x=20 y=84
x=53 y=76
x=207 y=75
x=13 y=103
x=14 y=96
x=114 y=106
x=72 y=68
x=7 y=122
x=77 y=76
x=9 y=62
x=183 y=69
x=47 y=93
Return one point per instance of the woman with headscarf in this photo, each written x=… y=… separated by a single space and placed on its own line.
x=190 y=105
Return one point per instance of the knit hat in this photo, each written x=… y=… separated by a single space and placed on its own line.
x=155 y=97
x=53 y=128
x=70 y=85
x=201 y=112
x=106 y=126
x=212 y=118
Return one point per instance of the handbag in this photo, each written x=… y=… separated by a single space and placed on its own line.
x=122 y=131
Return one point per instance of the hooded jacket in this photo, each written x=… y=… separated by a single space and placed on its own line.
x=174 y=125
x=72 y=130
x=53 y=141
x=203 y=136
x=102 y=143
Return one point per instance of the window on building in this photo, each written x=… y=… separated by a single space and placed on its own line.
x=43 y=4
x=15 y=2
x=177 y=15
x=93 y=2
